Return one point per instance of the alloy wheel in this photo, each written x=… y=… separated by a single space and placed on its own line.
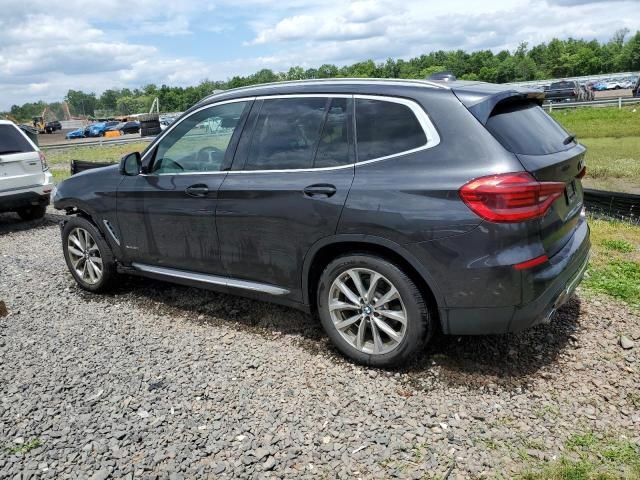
x=368 y=311
x=84 y=255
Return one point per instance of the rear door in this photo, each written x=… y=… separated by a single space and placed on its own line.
x=289 y=182
x=20 y=164
x=550 y=154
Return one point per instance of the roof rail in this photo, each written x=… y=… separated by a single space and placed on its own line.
x=317 y=81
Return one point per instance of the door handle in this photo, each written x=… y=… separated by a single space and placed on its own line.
x=198 y=190
x=320 y=190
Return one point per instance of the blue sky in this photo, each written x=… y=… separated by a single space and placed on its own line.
x=46 y=51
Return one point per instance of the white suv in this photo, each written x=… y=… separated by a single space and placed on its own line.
x=25 y=180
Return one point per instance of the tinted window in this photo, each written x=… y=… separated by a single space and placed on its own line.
x=12 y=141
x=386 y=128
x=527 y=129
x=559 y=85
x=199 y=142
x=333 y=148
x=286 y=133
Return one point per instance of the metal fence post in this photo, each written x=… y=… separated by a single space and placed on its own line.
x=619 y=103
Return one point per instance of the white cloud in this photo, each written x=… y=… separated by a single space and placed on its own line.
x=46 y=51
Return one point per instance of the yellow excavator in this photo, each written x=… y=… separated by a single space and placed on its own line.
x=46 y=123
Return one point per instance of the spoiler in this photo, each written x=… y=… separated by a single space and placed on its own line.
x=481 y=98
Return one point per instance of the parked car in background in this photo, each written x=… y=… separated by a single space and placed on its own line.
x=392 y=208
x=126 y=127
x=563 y=91
x=635 y=90
x=98 y=129
x=25 y=180
x=53 y=126
x=614 y=85
x=77 y=133
x=600 y=86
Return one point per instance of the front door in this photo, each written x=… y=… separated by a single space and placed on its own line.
x=167 y=216
x=286 y=190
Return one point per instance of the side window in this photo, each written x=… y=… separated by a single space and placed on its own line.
x=198 y=143
x=333 y=149
x=286 y=133
x=386 y=128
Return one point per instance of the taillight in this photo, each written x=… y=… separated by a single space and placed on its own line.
x=510 y=197
x=43 y=161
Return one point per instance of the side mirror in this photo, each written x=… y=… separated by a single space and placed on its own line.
x=130 y=164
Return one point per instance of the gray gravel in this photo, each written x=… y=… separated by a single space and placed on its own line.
x=162 y=381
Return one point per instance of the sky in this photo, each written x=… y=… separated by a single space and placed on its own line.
x=47 y=48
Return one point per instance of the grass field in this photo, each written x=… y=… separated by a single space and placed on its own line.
x=60 y=160
x=591 y=456
x=612 y=138
x=589 y=122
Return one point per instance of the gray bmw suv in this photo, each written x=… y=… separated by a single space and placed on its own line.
x=389 y=208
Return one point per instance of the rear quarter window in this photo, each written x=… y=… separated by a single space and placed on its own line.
x=527 y=129
x=12 y=141
x=385 y=128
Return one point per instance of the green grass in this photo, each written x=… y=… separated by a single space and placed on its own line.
x=613 y=164
x=612 y=138
x=59 y=160
x=618 y=245
x=614 y=268
x=588 y=122
x=590 y=457
x=25 y=447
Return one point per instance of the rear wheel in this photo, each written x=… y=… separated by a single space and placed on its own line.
x=32 y=213
x=372 y=311
x=88 y=255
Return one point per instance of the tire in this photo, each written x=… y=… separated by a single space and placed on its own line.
x=387 y=351
x=81 y=272
x=145 y=132
x=32 y=213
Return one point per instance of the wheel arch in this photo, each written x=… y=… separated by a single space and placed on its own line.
x=325 y=250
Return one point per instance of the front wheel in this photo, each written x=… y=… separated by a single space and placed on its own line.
x=88 y=255
x=372 y=311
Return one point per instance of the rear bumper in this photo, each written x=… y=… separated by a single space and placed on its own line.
x=548 y=286
x=34 y=195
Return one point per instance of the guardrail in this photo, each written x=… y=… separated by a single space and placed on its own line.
x=622 y=206
x=97 y=143
x=619 y=102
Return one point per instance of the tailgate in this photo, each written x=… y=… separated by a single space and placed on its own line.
x=550 y=154
x=20 y=170
x=557 y=226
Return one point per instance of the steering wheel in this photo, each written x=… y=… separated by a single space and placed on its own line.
x=207 y=157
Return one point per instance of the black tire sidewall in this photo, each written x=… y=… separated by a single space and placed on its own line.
x=108 y=263
x=418 y=320
x=32 y=213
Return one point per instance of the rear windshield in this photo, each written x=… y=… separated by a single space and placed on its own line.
x=558 y=85
x=12 y=141
x=526 y=128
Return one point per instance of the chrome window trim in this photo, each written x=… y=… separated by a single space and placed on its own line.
x=433 y=138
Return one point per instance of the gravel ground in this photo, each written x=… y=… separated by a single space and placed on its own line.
x=162 y=381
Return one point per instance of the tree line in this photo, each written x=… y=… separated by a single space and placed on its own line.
x=555 y=59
